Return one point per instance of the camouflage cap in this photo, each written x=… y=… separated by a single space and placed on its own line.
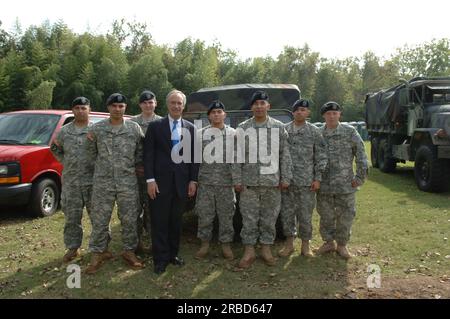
x=116 y=98
x=259 y=95
x=300 y=103
x=330 y=106
x=146 y=95
x=215 y=105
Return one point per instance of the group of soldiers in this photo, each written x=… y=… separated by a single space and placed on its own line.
x=103 y=164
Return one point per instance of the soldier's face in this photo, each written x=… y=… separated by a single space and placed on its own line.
x=117 y=110
x=148 y=107
x=301 y=114
x=217 y=116
x=81 y=112
x=175 y=105
x=260 y=108
x=332 y=117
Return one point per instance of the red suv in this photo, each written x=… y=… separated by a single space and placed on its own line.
x=29 y=173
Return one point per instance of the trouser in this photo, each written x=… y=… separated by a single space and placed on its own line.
x=337 y=212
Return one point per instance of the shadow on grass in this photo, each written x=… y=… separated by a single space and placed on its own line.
x=294 y=277
x=403 y=181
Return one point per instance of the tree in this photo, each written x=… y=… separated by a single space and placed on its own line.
x=41 y=96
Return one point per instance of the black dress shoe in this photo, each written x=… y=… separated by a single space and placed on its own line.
x=160 y=268
x=177 y=261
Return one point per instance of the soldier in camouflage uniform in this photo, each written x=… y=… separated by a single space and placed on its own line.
x=215 y=193
x=118 y=148
x=309 y=159
x=336 y=197
x=259 y=183
x=147 y=103
x=74 y=151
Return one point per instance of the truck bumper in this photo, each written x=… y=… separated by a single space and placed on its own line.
x=15 y=195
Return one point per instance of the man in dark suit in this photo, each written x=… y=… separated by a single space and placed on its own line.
x=169 y=181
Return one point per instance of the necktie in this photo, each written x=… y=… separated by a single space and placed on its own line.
x=175 y=135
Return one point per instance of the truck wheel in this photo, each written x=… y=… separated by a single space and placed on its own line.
x=386 y=163
x=44 y=198
x=374 y=152
x=430 y=172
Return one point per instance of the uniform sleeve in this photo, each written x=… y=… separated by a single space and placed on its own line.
x=285 y=158
x=92 y=142
x=139 y=155
x=320 y=156
x=58 y=149
x=239 y=157
x=360 y=157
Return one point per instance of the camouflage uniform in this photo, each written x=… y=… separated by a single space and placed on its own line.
x=144 y=216
x=74 y=151
x=309 y=159
x=260 y=199
x=336 y=198
x=215 y=192
x=117 y=153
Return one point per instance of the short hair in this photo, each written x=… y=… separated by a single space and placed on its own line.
x=176 y=92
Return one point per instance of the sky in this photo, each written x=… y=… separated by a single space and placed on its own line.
x=336 y=29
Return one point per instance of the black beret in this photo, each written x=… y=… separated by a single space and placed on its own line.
x=116 y=98
x=300 y=103
x=215 y=105
x=81 y=100
x=146 y=95
x=330 y=106
x=259 y=95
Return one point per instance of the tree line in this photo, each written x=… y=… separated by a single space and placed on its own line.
x=47 y=66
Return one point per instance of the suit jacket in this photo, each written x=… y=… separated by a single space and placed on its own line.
x=158 y=163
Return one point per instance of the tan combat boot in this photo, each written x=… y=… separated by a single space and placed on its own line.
x=266 y=254
x=203 y=251
x=248 y=258
x=288 y=248
x=327 y=247
x=343 y=252
x=306 y=250
x=97 y=261
x=130 y=258
x=71 y=254
x=227 y=252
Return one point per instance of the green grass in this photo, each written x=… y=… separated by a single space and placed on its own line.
x=397 y=227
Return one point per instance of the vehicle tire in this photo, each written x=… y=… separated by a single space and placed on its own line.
x=386 y=164
x=431 y=173
x=44 y=198
x=374 y=152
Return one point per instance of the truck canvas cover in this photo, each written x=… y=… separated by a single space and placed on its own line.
x=237 y=97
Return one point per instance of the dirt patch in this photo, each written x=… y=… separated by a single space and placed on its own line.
x=409 y=287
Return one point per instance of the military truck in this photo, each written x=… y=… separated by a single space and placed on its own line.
x=411 y=122
x=237 y=102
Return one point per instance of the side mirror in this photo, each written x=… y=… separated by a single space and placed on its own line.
x=403 y=97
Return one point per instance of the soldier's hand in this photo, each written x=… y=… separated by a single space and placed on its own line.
x=315 y=186
x=90 y=137
x=238 y=188
x=140 y=170
x=355 y=183
x=283 y=186
x=152 y=189
x=192 y=188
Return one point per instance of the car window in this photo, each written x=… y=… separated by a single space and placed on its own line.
x=27 y=129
